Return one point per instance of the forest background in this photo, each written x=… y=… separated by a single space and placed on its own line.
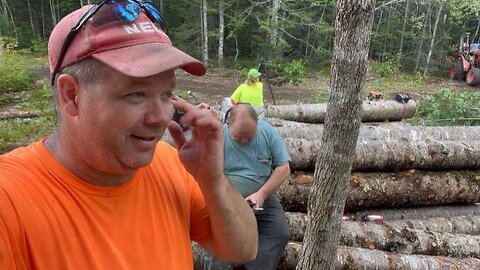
x=294 y=39
x=413 y=35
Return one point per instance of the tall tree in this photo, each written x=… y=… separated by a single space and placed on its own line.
x=275 y=26
x=221 y=31
x=404 y=26
x=204 y=17
x=432 y=41
x=353 y=24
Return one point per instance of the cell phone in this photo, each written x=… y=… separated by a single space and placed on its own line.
x=177 y=114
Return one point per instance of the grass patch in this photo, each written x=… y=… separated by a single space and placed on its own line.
x=320 y=97
x=18 y=132
x=22 y=131
x=18 y=72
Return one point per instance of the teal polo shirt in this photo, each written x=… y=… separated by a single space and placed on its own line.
x=248 y=166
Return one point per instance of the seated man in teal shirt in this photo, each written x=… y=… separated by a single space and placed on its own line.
x=256 y=163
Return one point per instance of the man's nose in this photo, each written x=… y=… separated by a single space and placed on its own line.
x=159 y=112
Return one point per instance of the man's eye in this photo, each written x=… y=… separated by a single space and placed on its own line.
x=167 y=94
x=136 y=96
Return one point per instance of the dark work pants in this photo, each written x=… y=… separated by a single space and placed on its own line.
x=273 y=236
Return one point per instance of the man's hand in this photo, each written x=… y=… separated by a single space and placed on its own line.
x=202 y=155
x=233 y=225
x=256 y=199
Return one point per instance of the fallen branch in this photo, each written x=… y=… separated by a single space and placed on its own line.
x=19 y=114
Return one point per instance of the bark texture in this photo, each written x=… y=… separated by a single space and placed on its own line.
x=424 y=212
x=384 y=190
x=382 y=131
x=453 y=225
x=373 y=111
x=394 y=155
x=364 y=259
x=19 y=114
x=401 y=239
x=353 y=22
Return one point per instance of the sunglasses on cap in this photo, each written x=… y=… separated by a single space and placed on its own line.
x=108 y=11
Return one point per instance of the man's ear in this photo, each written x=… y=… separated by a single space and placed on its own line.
x=68 y=89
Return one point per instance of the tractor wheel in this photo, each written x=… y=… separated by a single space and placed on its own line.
x=456 y=71
x=473 y=76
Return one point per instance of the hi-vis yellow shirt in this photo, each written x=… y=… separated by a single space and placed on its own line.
x=252 y=94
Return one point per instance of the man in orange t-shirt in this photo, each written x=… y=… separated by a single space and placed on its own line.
x=102 y=192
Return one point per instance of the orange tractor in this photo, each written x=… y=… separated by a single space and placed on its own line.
x=466 y=64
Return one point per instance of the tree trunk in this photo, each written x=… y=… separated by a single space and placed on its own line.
x=410 y=241
x=161 y=7
x=204 y=33
x=452 y=225
x=30 y=15
x=353 y=23
x=53 y=12
x=349 y=258
x=373 y=111
x=385 y=190
x=221 y=32
x=275 y=25
x=420 y=45
x=394 y=155
x=44 y=30
x=404 y=26
x=432 y=41
x=419 y=212
x=383 y=131
x=8 y=13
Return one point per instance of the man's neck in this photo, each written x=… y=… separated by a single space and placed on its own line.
x=73 y=162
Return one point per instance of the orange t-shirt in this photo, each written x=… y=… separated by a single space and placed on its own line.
x=51 y=219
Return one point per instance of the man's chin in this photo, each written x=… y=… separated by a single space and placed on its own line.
x=138 y=160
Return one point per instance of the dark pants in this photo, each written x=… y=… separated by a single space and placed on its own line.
x=273 y=233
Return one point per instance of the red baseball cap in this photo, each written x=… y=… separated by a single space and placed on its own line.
x=136 y=49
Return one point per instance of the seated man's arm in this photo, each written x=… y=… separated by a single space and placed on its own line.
x=281 y=168
x=275 y=180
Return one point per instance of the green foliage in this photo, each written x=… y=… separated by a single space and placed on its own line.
x=320 y=97
x=8 y=44
x=14 y=74
x=386 y=69
x=3 y=99
x=449 y=108
x=294 y=71
x=38 y=46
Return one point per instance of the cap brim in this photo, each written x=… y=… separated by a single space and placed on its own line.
x=148 y=59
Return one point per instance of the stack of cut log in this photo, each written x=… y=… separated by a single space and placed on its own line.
x=423 y=184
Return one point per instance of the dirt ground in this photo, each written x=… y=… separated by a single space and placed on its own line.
x=212 y=88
